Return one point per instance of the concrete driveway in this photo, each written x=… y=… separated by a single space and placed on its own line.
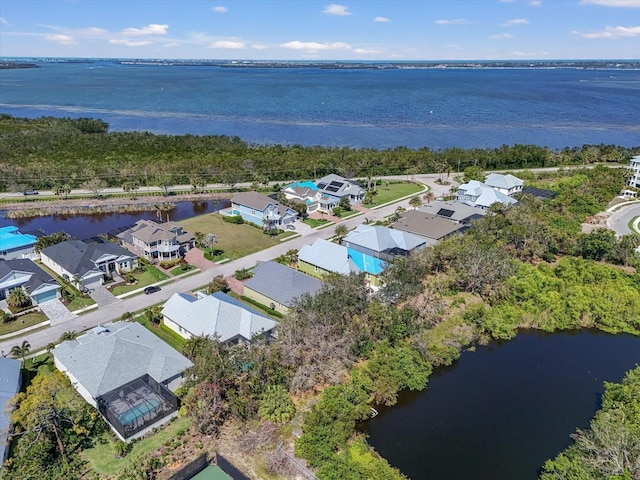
x=56 y=312
x=103 y=297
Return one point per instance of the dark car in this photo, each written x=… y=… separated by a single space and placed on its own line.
x=151 y=289
x=30 y=192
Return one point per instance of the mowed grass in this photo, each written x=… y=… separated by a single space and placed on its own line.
x=394 y=191
x=23 y=321
x=102 y=457
x=149 y=276
x=235 y=241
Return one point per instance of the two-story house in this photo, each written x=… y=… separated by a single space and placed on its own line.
x=634 y=172
x=261 y=210
x=157 y=241
x=478 y=194
x=333 y=188
x=507 y=184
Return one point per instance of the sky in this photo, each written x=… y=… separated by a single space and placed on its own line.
x=318 y=30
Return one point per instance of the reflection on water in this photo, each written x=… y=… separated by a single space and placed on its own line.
x=90 y=225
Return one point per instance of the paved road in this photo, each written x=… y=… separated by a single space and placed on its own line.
x=619 y=220
x=89 y=320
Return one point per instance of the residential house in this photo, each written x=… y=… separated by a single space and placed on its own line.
x=87 y=264
x=507 y=184
x=633 y=179
x=23 y=273
x=453 y=211
x=10 y=382
x=477 y=194
x=157 y=241
x=382 y=242
x=14 y=244
x=431 y=227
x=127 y=373
x=333 y=188
x=324 y=257
x=305 y=192
x=277 y=285
x=216 y=315
x=261 y=210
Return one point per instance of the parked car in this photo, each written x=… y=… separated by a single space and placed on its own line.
x=151 y=289
x=30 y=192
x=291 y=226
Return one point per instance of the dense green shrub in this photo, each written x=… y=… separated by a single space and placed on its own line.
x=237 y=219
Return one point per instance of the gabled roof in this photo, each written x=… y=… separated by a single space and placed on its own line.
x=253 y=200
x=328 y=256
x=426 y=225
x=9 y=387
x=216 y=315
x=78 y=258
x=499 y=180
x=382 y=239
x=485 y=195
x=453 y=210
x=37 y=277
x=337 y=186
x=339 y=259
x=149 y=231
x=281 y=283
x=11 y=238
x=108 y=357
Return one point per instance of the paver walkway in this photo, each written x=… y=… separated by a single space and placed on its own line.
x=195 y=257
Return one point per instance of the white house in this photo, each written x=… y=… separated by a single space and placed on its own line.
x=634 y=172
x=507 y=184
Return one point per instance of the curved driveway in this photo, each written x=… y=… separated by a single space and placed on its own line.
x=619 y=220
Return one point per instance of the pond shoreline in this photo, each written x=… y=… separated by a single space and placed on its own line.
x=84 y=206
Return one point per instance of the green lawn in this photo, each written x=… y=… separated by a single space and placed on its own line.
x=21 y=322
x=149 y=276
x=80 y=302
x=163 y=332
x=393 y=192
x=630 y=225
x=102 y=457
x=235 y=241
x=180 y=269
x=313 y=223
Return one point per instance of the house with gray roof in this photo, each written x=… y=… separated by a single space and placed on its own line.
x=324 y=257
x=504 y=183
x=277 y=286
x=126 y=372
x=260 y=210
x=87 y=264
x=478 y=194
x=333 y=187
x=157 y=241
x=23 y=273
x=383 y=242
x=431 y=227
x=454 y=211
x=10 y=381
x=217 y=315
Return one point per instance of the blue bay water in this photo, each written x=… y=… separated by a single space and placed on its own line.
x=370 y=108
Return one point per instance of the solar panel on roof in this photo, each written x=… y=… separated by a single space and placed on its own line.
x=332 y=189
x=336 y=184
x=321 y=185
x=444 y=212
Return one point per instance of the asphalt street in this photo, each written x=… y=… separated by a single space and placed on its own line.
x=39 y=339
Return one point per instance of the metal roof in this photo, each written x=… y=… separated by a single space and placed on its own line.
x=281 y=283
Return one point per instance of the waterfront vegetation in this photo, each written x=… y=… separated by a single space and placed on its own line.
x=32 y=149
x=341 y=352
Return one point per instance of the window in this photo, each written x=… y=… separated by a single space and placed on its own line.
x=315 y=268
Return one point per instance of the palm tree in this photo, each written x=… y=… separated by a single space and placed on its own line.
x=341 y=232
x=21 y=350
x=415 y=201
x=429 y=197
x=154 y=315
x=70 y=335
x=18 y=298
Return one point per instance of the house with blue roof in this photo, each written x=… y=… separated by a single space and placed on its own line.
x=217 y=315
x=478 y=194
x=324 y=257
x=10 y=381
x=14 y=244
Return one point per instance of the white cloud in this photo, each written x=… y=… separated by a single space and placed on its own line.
x=259 y=47
x=506 y=1
x=613 y=3
x=455 y=21
x=535 y=3
x=614 y=32
x=219 y=9
x=515 y=22
x=91 y=31
x=366 y=51
x=151 y=29
x=381 y=20
x=501 y=36
x=61 y=39
x=3 y=21
x=334 y=9
x=228 y=45
x=129 y=43
x=531 y=55
x=315 y=46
